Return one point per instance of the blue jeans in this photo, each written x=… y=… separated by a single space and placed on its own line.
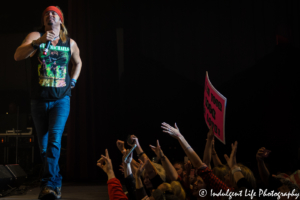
x=49 y=119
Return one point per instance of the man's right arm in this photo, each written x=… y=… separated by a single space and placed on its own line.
x=26 y=49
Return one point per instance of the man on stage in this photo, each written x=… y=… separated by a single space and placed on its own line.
x=50 y=91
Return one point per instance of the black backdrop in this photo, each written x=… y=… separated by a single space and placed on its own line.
x=168 y=47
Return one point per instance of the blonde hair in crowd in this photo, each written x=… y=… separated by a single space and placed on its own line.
x=248 y=174
x=176 y=188
x=160 y=170
x=220 y=171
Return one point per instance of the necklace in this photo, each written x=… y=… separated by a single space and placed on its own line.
x=55 y=38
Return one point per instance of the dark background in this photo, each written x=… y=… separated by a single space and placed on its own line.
x=167 y=48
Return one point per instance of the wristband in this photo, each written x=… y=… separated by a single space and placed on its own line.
x=34 y=44
x=237 y=169
x=73 y=82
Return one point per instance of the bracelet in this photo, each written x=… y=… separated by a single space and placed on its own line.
x=189 y=147
x=73 y=82
x=237 y=169
x=34 y=44
x=139 y=155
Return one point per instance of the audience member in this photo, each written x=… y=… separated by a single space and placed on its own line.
x=148 y=180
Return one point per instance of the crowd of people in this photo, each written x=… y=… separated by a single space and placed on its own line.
x=196 y=178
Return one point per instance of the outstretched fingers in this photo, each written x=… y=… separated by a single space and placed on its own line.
x=152 y=147
x=226 y=157
x=157 y=143
x=104 y=158
x=176 y=126
x=106 y=154
x=100 y=162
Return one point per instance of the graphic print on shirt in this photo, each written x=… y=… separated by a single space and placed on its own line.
x=52 y=69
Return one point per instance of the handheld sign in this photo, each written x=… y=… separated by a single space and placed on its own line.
x=214 y=109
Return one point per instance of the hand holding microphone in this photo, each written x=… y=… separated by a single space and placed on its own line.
x=47 y=38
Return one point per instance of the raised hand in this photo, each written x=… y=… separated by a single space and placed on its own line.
x=48 y=36
x=174 y=132
x=232 y=160
x=129 y=158
x=134 y=140
x=105 y=163
x=213 y=150
x=121 y=146
x=260 y=154
x=157 y=150
x=210 y=134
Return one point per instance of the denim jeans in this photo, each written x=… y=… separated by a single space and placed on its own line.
x=49 y=119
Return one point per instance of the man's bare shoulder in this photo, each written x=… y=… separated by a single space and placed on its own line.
x=74 y=47
x=34 y=35
x=73 y=43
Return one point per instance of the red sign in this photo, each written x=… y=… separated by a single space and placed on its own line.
x=214 y=109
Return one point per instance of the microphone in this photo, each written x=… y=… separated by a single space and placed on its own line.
x=46 y=47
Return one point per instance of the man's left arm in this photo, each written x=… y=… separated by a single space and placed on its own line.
x=76 y=60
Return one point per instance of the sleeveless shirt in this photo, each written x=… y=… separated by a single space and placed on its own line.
x=50 y=78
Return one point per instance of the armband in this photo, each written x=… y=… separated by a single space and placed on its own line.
x=73 y=82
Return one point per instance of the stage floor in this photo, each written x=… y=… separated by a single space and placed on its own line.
x=71 y=191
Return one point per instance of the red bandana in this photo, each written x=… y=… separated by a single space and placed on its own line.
x=55 y=9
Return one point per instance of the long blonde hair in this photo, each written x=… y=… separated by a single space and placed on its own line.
x=63 y=33
x=248 y=174
x=176 y=188
x=160 y=171
x=220 y=171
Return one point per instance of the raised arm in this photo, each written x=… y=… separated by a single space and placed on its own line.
x=105 y=164
x=208 y=147
x=126 y=163
x=263 y=171
x=212 y=181
x=27 y=49
x=214 y=155
x=141 y=154
x=115 y=190
x=231 y=161
x=121 y=147
x=191 y=154
x=171 y=172
x=150 y=169
x=129 y=179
